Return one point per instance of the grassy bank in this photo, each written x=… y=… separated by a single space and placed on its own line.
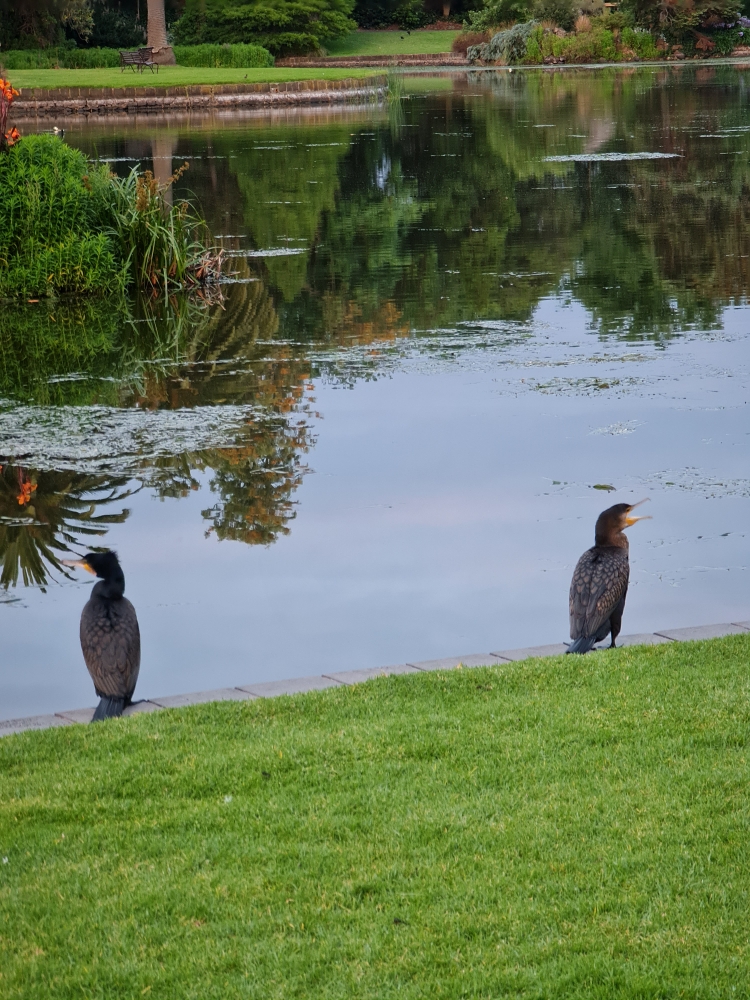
x=555 y=828
x=172 y=76
x=392 y=43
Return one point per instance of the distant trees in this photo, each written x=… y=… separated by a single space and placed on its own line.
x=281 y=26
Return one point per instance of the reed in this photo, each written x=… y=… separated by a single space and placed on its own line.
x=163 y=246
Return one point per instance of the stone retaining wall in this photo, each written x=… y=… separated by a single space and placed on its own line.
x=33 y=101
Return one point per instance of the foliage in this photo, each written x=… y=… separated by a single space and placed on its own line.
x=65 y=57
x=386 y=43
x=371 y=14
x=40 y=23
x=498 y=12
x=48 y=238
x=223 y=55
x=506 y=46
x=116 y=27
x=8 y=137
x=596 y=45
x=641 y=43
x=678 y=19
x=69 y=227
x=555 y=828
x=559 y=12
x=42 y=514
x=467 y=39
x=163 y=246
x=726 y=40
x=281 y=26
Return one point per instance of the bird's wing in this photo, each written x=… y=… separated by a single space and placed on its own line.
x=111 y=644
x=599 y=582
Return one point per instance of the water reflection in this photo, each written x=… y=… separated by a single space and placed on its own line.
x=475 y=290
x=43 y=514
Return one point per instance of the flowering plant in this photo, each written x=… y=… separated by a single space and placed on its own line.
x=8 y=137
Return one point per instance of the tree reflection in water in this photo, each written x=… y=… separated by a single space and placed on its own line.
x=46 y=513
x=156 y=355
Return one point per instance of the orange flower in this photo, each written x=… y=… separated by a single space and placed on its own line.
x=7 y=90
x=25 y=495
x=12 y=137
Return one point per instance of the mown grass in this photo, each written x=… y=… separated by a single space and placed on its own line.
x=570 y=827
x=392 y=43
x=171 y=76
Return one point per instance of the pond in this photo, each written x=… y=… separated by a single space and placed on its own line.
x=458 y=326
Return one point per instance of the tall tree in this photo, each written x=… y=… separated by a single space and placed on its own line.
x=157 y=34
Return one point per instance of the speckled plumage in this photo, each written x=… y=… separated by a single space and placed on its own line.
x=111 y=644
x=600 y=580
x=598 y=591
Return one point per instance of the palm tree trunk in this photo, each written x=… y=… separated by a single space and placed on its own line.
x=157 y=34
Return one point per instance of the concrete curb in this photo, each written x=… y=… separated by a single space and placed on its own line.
x=347 y=678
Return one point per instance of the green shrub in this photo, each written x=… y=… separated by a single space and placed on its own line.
x=162 y=246
x=69 y=227
x=506 y=46
x=64 y=57
x=48 y=217
x=597 y=45
x=726 y=40
x=240 y=56
x=281 y=26
x=560 y=12
x=497 y=12
x=642 y=43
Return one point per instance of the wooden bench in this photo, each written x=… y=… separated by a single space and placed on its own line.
x=137 y=60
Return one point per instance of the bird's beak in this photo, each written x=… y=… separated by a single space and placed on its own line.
x=78 y=564
x=644 y=517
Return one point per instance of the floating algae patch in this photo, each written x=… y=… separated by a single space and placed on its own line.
x=609 y=157
x=104 y=439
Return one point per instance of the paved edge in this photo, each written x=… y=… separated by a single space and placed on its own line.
x=347 y=678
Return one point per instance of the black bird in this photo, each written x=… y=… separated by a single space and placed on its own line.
x=110 y=638
x=600 y=581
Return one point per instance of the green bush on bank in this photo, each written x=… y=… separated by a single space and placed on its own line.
x=239 y=56
x=67 y=227
x=50 y=242
x=281 y=26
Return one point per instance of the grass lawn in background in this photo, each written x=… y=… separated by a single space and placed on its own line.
x=568 y=827
x=392 y=43
x=172 y=76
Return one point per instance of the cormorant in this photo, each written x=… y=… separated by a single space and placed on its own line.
x=600 y=581
x=110 y=638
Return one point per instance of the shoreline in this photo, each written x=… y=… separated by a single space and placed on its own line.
x=38 y=102
x=348 y=678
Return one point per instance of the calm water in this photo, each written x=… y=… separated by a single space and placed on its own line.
x=459 y=327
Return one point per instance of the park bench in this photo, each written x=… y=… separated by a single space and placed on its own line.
x=137 y=60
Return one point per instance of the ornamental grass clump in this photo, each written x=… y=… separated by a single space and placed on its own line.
x=163 y=246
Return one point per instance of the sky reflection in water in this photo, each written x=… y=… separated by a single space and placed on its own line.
x=391 y=440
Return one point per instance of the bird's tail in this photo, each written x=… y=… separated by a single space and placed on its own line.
x=582 y=645
x=108 y=708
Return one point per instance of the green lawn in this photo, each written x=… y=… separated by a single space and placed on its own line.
x=171 y=76
x=575 y=827
x=392 y=43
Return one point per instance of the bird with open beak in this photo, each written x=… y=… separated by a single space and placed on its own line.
x=600 y=580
